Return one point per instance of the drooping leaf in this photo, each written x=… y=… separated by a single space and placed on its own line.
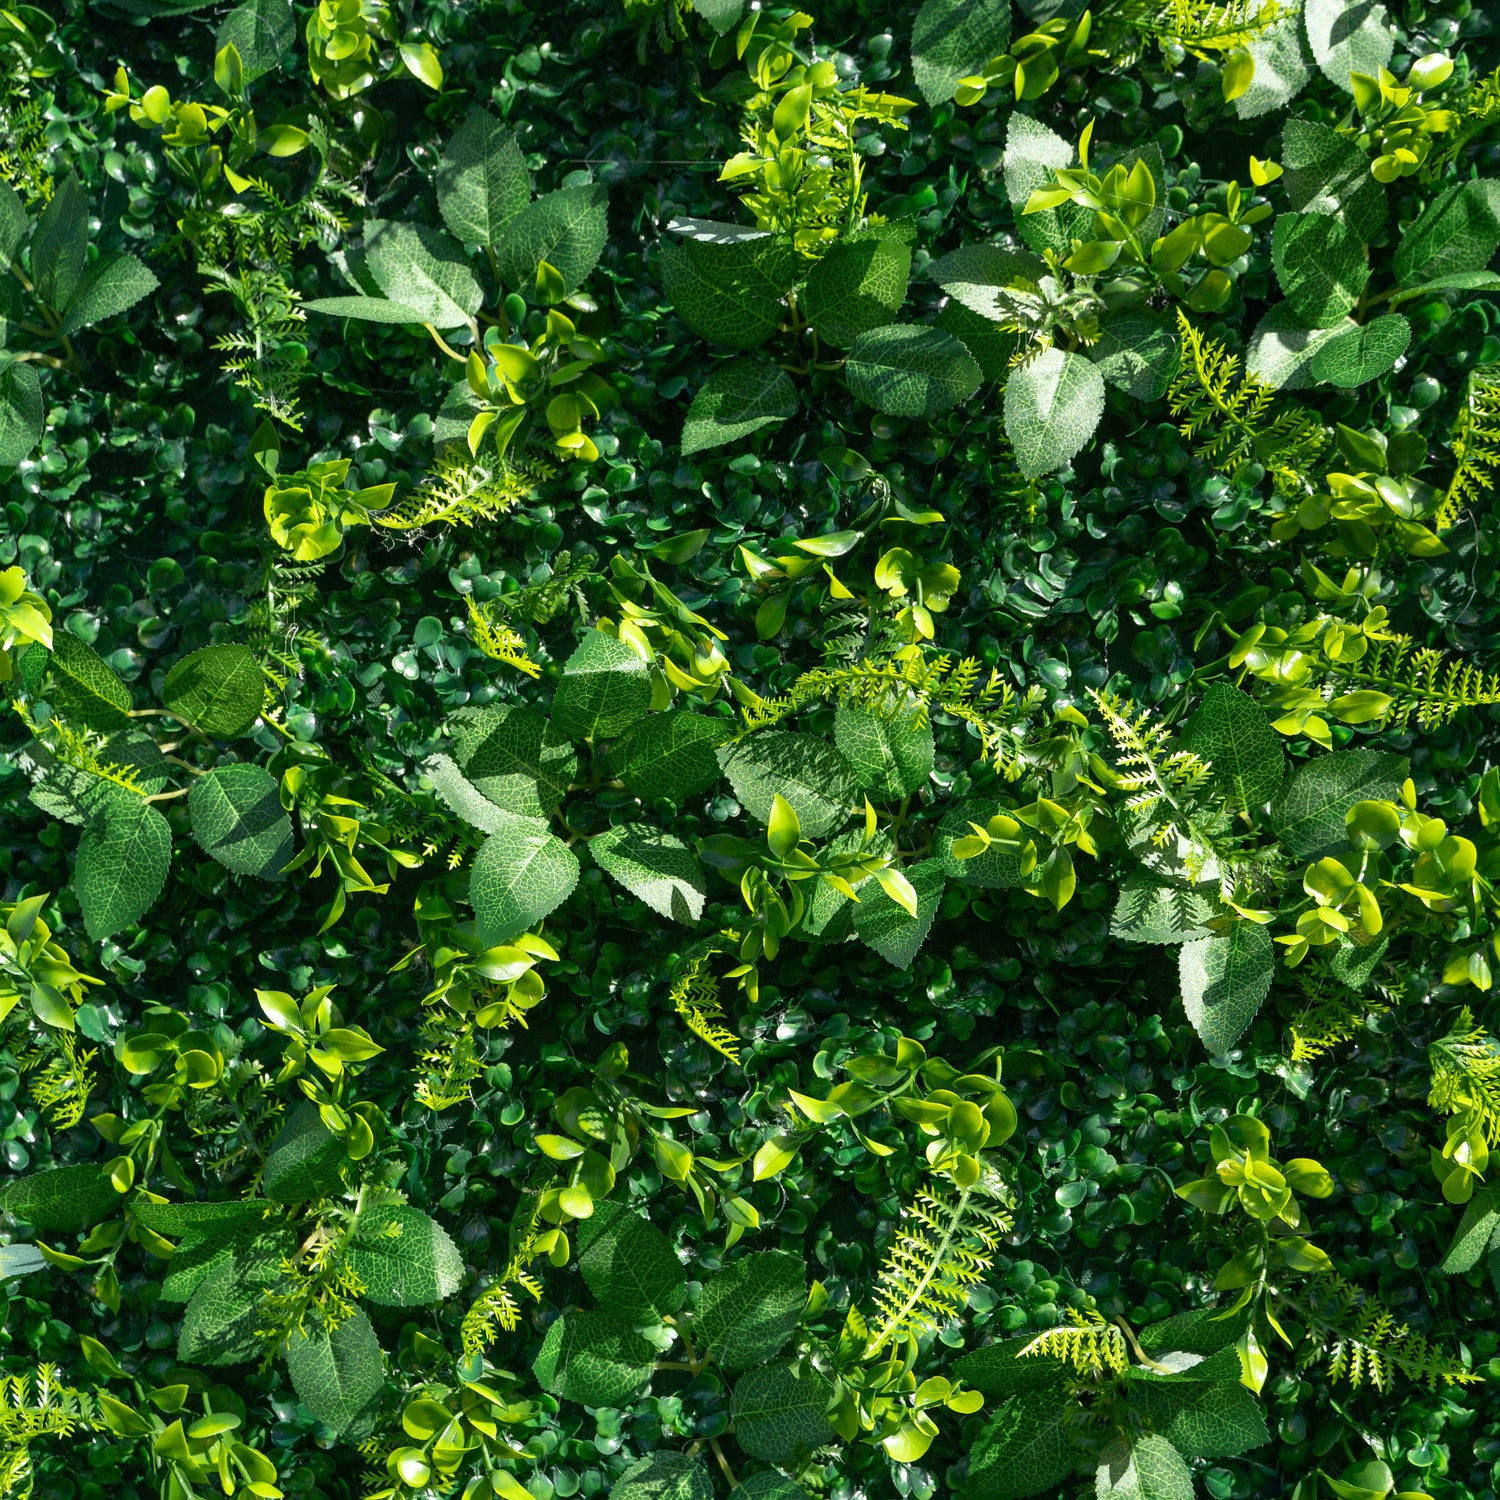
x=655 y=866
x=238 y=818
x=1224 y=980
x=462 y=798
x=740 y=397
x=1052 y=406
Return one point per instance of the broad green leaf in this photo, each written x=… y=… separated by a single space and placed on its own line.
x=306 y=1159
x=261 y=31
x=1456 y=232
x=593 y=1358
x=566 y=229
x=1201 y=1418
x=422 y=269
x=997 y=869
x=122 y=863
x=13 y=222
x=1033 y=153
x=61 y=1197
x=338 y=1376
x=462 y=797
x=220 y=690
x=1028 y=1445
x=1321 y=265
x=1204 y=1330
x=1152 y=911
x=1282 y=348
x=748 y=1311
x=520 y=874
x=1224 y=980
x=654 y=866
x=1329 y=173
x=365 y=309
x=515 y=758
x=859 y=284
x=1146 y=1467
x=830 y=913
x=22 y=413
x=739 y=398
x=198 y=1259
x=1229 y=730
x=730 y=292
x=201 y=1221
x=238 y=818
x=59 y=244
x=722 y=15
x=887 y=927
x=482 y=182
x=85 y=690
x=911 y=370
x=405 y=1258
x=768 y=1485
x=605 y=688
x=1476 y=1231
x=991 y=345
x=779 y=1415
x=1052 y=405
x=974 y=275
x=999 y=1372
x=629 y=1264
x=664 y=1475
x=805 y=769
x=1283 y=64
x=1308 y=816
x=109 y=286
x=952 y=39
x=1348 y=36
x=1356 y=355
x=891 y=758
x=669 y=755
x=221 y=1322
x=1137 y=352
x=20 y=1260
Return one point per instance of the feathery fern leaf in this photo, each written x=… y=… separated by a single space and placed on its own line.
x=1086 y=1342
x=1466 y=1074
x=461 y=492
x=1475 y=443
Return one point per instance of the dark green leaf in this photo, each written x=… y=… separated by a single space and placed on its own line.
x=809 y=772
x=910 y=370
x=1230 y=731
x=220 y=690
x=61 y=1197
x=629 y=1265
x=779 y=1414
x=122 y=862
x=405 y=1258
x=593 y=1358
x=655 y=866
x=566 y=229
x=668 y=755
x=238 y=818
x=749 y=1310
x=739 y=398
x=338 y=1376
x=730 y=291
x=482 y=184
x=521 y=873
x=605 y=688
x=1224 y=980
x=858 y=285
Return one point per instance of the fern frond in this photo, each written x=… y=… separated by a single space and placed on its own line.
x=59 y=1075
x=450 y=1063
x=1158 y=778
x=1465 y=1067
x=1086 y=1342
x=498 y=640
x=34 y=1406
x=496 y=1307
x=1331 y=1014
x=461 y=492
x=1475 y=443
x=1202 y=26
x=77 y=750
x=24 y=148
x=695 y=997
x=268 y=357
x=1421 y=681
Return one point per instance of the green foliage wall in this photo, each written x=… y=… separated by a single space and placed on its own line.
x=750 y=754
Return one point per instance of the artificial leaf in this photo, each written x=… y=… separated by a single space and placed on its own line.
x=521 y=874
x=629 y=1264
x=338 y=1375
x=421 y=269
x=122 y=862
x=952 y=39
x=779 y=1413
x=404 y=1258
x=1151 y=910
x=891 y=758
x=567 y=229
x=664 y=1475
x=1329 y=173
x=655 y=866
x=605 y=688
x=220 y=690
x=732 y=292
x=748 y=1311
x=85 y=689
x=1052 y=405
x=858 y=284
x=73 y=1197
x=238 y=818
x=1137 y=352
x=807 y=771
x=740 y=397
x=1283 y=64
x=1348 y=36
x=1026 y=1446
x=887 y=927
x=593 y=1358
x=306 y=1159
x=1457 y=232
x=1354 y=356
x=482 y=183
x=668 y=755
x=1224 y=980
x=261 y=31
x=975 y=275
x=1308 y=816
x=514 y=757
x=220 y=1324
x=22 y=413
x=1321 y=265
x=1146 y=1467
x=910 y=370
x=111 y=285
x=1231 y=732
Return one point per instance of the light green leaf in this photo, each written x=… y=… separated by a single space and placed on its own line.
x=1146 y=1468
x=482 y=182
x=1348 y=36
x=1152 y=911
x=655 y=866
x=1308 y=816
x=768 y=1485
x=1283 y=64
x=911 y=370
x=779 y=1415
x=59 y=244
x=238 y=818
x=953 y=39
x=338 y=1376
x=1052 y=406
x=629 y=1264
x=748 y=1311
x=365 y=309
x=20 y=1260
x=417 y=1265
x=668 y=755
x=220 y=690
x=566 y=229
x=122 y=863
x=74 y=1198
x=514 y=757
x=605 y=688
x=1282 y=348
x=891 y=758
x=261 y=31
x=1224 y=980
x=462 y=797
x=520 y=874
x=998 y=868
x=664 y=1475
x=85 y=690
x=730 y=291
x=422 y=269
x=593 y=1358
x=887 y=927
x=1229 y=729
x=306 y=1159
x=722 y=15
x=739 y=398
x=1032 y=154
x=219 y=1326
x=830 y=914
x=1329 y=173
x=860 y=283
x=1356 y=355
x=809 y=772
x=973 y=275
x=1026 y=1446
x=1137 y=352
x=109 y=286
x=1321 y=265
x=1456 y=232
x=1476 y=1230
x=22 y=413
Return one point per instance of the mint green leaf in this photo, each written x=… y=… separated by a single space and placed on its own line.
x=1308 y=816
x=365 y=309
x=739 y=398
x=888 y=928
x=1283 y=64
x=1000 y=1372
x=20 y=1260
x=1201 y=1418
x=201 y=1222
x=730 y=291
x=261 y=31
x=482 y=182
x=60 y=243
x=1321 y=265
x=779 y=1415
x=1456 y=232
x=520 y=875
x=1282 y=348
x=515 y=758
x=593 y=1358
x=1033 y=153
x=859 y=284
x=629 y=1264
x=220 y=690
x=199 y=1258
x=1353 y=965
x=654 y=866
x=223 y=1315
x=1028 y=1445
x=1348 y=36
x=1329 y=173
x=669 y=755
x=122 y=863
x=1150 y=910
x=1356 y=355
x=891 y=758
x=109 y=286
x=238 y=818
x=1478 y=1227
x=911 y=370
x=997 y=869
x=1145 y=1468
x=664 y=1475
x=805 y=769
x=1137 y=352
x=338 y=1376
x=61 y=1198
x=23 y=416
x=1230 y=730
x=422 y=269
x=85 y=690
x=416 y=1265
x=13 y=222
x=306 y=1159
x=974 y=275
x=1052 y=406
x=462 y=798
x=1224 y=980
x=566 y=229
x=953 y=39
x=605 y=688
x=749 y=1310
x=722 y=15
